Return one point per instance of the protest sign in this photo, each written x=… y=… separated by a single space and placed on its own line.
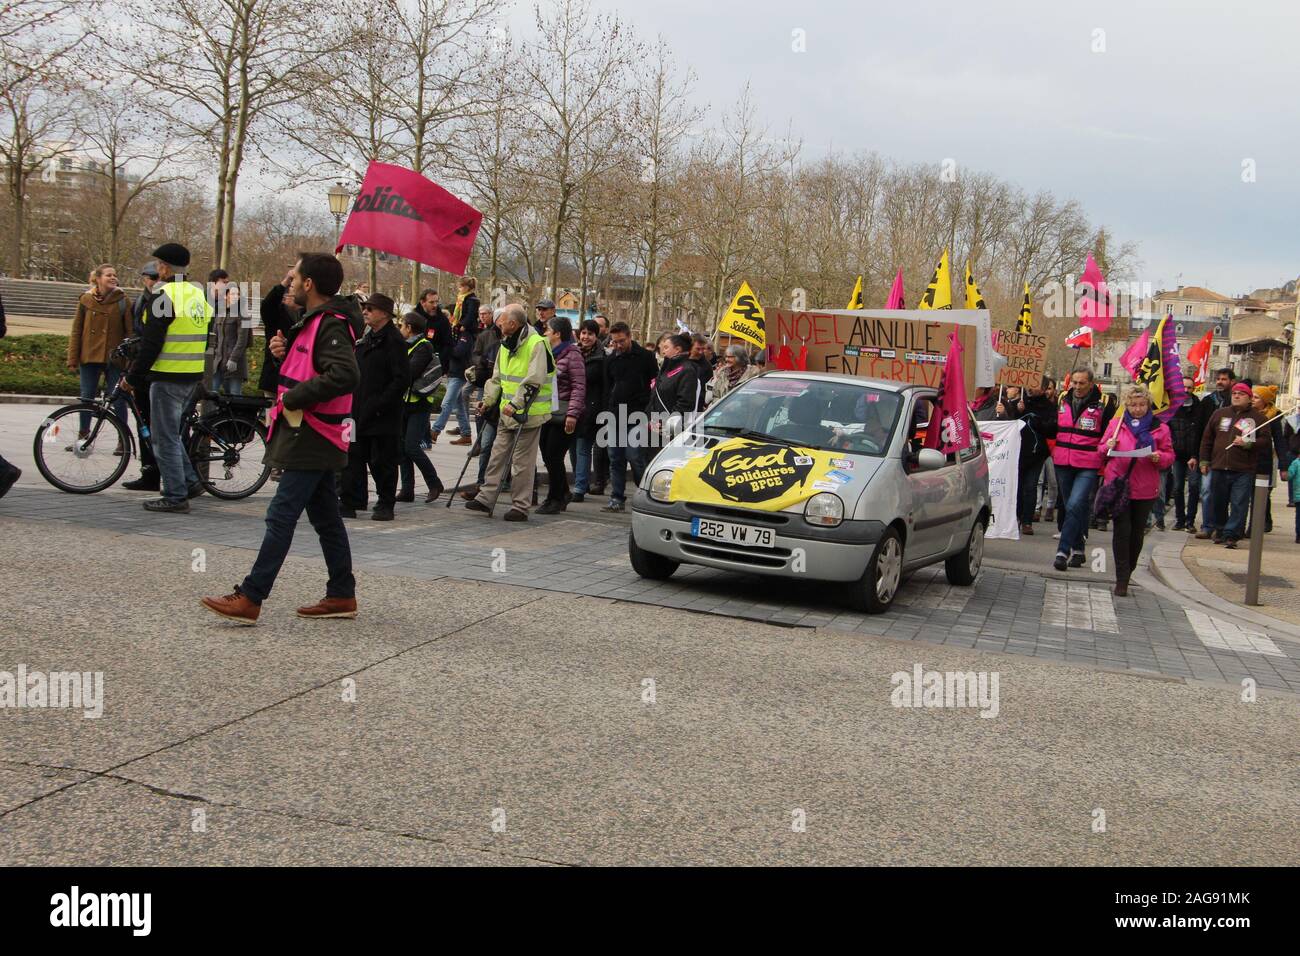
x=1002 y=452
x=902 y=346
x=1026 y=354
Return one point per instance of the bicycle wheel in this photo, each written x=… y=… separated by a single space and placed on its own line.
x=227 y=452
x=76 y=465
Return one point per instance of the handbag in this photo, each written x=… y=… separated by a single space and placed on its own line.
x=429 y=379
x=1113 y=497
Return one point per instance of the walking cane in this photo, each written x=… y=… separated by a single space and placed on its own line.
x=521 y=416
x=475 y=449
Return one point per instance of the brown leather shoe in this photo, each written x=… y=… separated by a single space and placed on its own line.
x=470 y=493
x=330 y=607
x=1026 y=529
x=462 y=440
x=433 y=437
x=234 y=607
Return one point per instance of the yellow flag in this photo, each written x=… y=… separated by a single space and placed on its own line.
x=855 y=300
x=974 y=298
x=938 y=294
x=744 y=319
x=1026 y=321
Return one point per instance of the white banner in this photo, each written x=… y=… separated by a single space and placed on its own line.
x=1002 y=450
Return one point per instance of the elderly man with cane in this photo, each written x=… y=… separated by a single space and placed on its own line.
x=522 y=381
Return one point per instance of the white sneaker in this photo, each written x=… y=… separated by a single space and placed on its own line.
x=1057 y=536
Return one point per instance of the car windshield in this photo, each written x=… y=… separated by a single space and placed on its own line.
x=810 y=413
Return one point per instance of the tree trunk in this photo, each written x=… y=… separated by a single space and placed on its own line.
x=372 y=272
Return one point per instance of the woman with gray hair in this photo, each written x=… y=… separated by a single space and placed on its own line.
x=734 y=370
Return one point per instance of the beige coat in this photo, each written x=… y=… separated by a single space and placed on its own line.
x=721 y=385
x=99 y=327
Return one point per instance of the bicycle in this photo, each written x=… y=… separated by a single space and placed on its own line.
x=226 y=444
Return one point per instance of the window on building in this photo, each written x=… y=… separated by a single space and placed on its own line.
x=1105 y=370
x=1187 y=310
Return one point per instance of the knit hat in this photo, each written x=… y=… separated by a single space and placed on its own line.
x=1242 y=387
x=1266 y=392
x=174 y=254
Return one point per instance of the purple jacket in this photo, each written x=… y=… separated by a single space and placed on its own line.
x=571 y=380
x=1144 y=479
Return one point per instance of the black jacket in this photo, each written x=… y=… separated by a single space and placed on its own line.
x=627 y=379
x=438 y=331
x=385 y=377
x=677 y=387
x=469 y=315
x=1039 y=416
x=459 y=359
x=276 y=317
x=419 y=356
x=303 y=448
x=1185 y=430
x=595 y=363
x=151 y=342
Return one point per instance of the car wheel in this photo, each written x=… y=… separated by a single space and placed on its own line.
x=878 y=585
x=648 y=564
x=964 y=566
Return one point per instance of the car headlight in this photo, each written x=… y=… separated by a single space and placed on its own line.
x=824 y=509
x=660 y=485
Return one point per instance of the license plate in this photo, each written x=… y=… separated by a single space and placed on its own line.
x=733 y=533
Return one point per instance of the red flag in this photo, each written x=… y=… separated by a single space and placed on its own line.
x=949 y=428
x=1080 y=338
x=401 y=212
x=1200 y=354
x=1136 y=353
x=1094 y=307
x=785 y=359
x=801 y=362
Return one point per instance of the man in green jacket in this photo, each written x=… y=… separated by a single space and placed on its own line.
x=310 y=426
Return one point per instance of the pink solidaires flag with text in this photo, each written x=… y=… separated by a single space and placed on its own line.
x=1094 y=306
x=949 y=429
x=400 y=212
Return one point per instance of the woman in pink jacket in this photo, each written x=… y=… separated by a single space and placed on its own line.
x=1136 y=429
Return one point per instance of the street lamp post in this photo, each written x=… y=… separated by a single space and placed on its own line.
x=339 y=198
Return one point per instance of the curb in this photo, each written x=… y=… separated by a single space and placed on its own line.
x=1168 y=568
x=9 y=399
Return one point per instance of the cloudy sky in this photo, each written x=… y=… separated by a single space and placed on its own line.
x=1150 y=135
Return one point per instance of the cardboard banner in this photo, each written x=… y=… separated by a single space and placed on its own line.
x=1002 y=452
x=759 y=475
x=1026 y=354
x=907 y=346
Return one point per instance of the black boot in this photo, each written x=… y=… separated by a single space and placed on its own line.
x=150 y=480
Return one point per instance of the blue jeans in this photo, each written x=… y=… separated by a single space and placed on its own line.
x=1187 y=493
x=233 y=386
x=1232 y=492
x=1207 y=502
x=582 y=465
x=487 y=435
x=315 y=492
x=167 y=404
x=458 y=397
x=620 y=456
x=90 y=373
x=1076 y=492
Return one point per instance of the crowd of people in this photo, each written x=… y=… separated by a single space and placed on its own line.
x=1205 y=458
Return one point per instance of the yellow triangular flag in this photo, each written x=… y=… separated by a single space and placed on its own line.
x=974 y=298
x=938 y=294
x=855 y=300
x=744 y=318
x=1026 y=321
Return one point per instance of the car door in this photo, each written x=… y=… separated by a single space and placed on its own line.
x=927 y=491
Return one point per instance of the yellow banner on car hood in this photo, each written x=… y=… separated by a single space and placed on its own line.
x=761 y=475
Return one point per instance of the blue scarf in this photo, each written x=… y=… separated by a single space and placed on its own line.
x=1141 y=429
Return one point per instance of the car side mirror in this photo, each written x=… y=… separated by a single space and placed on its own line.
x=930 y=459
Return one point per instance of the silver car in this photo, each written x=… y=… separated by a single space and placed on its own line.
x=886 y=507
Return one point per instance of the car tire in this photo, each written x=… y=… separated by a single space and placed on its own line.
x=879 y=584
x=963 y=567
x=648 y=564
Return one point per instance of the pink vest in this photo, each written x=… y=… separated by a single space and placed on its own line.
x=327 y=418
x=1078 y=444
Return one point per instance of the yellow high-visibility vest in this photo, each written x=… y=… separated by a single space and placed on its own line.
x=513 y=367
x=187 y=335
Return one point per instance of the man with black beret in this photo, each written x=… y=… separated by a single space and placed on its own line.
x=170 y=364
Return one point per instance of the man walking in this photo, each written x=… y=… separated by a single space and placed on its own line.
x=1035 y=409
x=1231 y=447
x=1080 y=421
x=170 y=364
x=629 y=371
x=306 y=438
x=377 y=411
x=523 y=363
x=437 y=325
x=1186 y=476
x=1224 y=379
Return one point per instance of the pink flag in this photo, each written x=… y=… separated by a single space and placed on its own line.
x=1094 y=306
x=401 y=212
x=949 y=429
x=896 y=293
x=1134 y=355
